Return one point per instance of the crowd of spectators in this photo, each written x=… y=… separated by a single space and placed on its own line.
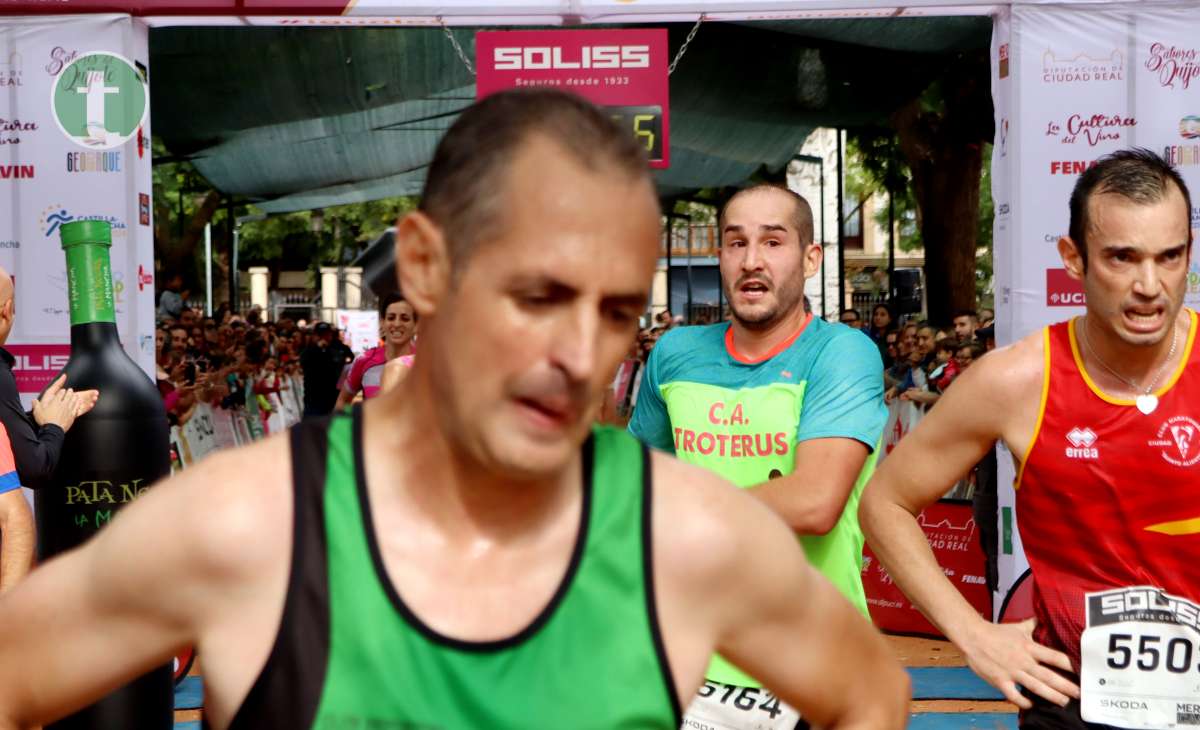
x=920 y=360
x=224 y=359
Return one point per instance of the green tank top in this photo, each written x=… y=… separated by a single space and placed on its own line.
x=351 y=655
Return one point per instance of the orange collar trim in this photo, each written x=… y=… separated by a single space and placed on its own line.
x=729 y=346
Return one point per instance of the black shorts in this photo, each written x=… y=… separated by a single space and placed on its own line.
x=1045 y=715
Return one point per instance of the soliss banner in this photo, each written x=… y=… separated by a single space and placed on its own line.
x=625 y=71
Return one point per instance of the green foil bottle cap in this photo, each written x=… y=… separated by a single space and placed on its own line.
x=90 y=231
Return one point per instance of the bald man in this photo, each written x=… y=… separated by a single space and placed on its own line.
x=36 y=436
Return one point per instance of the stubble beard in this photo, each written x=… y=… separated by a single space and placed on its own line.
x=787 y=299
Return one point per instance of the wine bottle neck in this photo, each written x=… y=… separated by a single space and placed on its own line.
x=94 y=336
x=89 y=285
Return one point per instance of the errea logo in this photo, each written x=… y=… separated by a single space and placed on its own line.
x=1082 y=442
x=539 y=58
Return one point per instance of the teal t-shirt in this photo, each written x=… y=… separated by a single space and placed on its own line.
x=707 y=405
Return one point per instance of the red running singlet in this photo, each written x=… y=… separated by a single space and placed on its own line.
x=1108 y=497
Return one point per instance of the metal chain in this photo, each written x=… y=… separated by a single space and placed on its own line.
x=683 y=49
x=458 y=48
x=1161 y=370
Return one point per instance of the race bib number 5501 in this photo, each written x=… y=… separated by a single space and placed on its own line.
x=1140 y=659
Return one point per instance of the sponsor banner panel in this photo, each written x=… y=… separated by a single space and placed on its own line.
x=950 y=528
x=1085 y=83
x=74 y=144
x=625 y=71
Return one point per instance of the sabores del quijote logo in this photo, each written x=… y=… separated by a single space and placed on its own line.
x=1175 y=66
x=99 y=100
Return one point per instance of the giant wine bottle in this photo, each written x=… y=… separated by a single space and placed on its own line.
x=109 y=457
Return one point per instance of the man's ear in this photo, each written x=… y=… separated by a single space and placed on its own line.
x=422 y=262
x=1068 y=250
x=813 y=254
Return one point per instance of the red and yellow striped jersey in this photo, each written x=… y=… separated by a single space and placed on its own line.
x=1107 y=496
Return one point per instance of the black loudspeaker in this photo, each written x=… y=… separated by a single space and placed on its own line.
x=909 y=293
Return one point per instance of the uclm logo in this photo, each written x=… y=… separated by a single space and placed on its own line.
x=539 y=58
x=1062 y=290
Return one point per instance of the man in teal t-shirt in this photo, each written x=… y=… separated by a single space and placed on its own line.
x=778 y=402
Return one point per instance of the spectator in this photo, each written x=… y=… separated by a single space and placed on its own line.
x=170 y=302
x=322 y=364
x=882 y=322
x=966 y=321
x=16 y=522
x=905 y=346
x=947 y=367
x=926 y=342
x=986 y=318
x=968 y=352
x=891 y=348
x=179 y=340
x=36 y=436
x=850 y=318
x=398 y=324
x=987 y=336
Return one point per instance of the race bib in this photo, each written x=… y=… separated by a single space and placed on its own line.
x=720 y=706
x=1140 y=659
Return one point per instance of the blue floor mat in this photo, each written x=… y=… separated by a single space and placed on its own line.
x=960 y=721
x=928 y=683
x=950 y=683
x=190 y=725
x=189 y=694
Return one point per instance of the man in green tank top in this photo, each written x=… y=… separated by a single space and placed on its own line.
x=466 y=550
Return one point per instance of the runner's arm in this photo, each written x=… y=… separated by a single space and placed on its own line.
x=351 y=386
x=811 y=499
x=651 y=423
x=841 y=420
x=781 y=621
x=16 y=538
x=945 y=445
x=98 y=616
x=393 y=374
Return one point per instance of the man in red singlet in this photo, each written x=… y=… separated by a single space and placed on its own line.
x=1102 y=414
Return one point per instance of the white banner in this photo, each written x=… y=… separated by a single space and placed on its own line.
x=361 y=327
x=47 y=179
x=1072 y=84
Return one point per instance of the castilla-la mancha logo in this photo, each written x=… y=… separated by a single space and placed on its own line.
x=1069 y=68
x=99 y=100
x=1179 y=439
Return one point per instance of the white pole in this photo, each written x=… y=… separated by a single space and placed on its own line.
x=208 y=269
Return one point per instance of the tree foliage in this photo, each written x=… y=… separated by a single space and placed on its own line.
x=184 y=203
x=934 y=154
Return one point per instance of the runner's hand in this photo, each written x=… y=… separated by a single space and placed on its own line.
x=1006 y=655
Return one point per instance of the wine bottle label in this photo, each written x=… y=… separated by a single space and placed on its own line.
x=89 y=285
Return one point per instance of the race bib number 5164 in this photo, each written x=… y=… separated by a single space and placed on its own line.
x=1140 y=659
